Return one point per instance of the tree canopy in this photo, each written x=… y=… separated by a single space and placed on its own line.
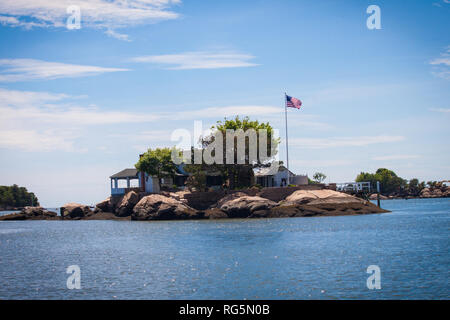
x=15 y=196
x=319 y=177
x=246 y=124
x=157 y=162
x=240 y=175
x=391 y=183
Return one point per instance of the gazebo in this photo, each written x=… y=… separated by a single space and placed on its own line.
x=128 y=175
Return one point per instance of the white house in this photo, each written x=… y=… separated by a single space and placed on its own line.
x=266 y=178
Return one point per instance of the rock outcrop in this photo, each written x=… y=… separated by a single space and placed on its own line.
x=174 y=206
x=104 y=206
x=159 y=207
x=314 y=197
x=323 y=202
x=31 y=213
x=75 y=211
x=443 y=192
x=373 y=196
x=243 y=206
x=125 y=207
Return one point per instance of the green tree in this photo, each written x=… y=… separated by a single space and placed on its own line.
x=16 y=196
x=414 y=187
x=319 y=177
x=389 y=181
x=241 y=175
x=157 y=162
x=367 y=177
x=431 y=184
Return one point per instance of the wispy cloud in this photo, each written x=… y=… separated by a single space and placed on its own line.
x=26 y=117
x=333 y=142
x=227 y=111
x=117 y=35
x=38 y=141
x=17 y=106
x=396 y=157
x=199 y=60
x=12 y=70
x=321 y=163
x=442 y=65
x=442 y=110
x=49 y=107
x=101 y=14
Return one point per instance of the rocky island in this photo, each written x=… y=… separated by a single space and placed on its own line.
x=183 y=205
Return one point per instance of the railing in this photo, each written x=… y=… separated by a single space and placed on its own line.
x=354 y=187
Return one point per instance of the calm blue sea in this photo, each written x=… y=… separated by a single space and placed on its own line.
x=293 y=258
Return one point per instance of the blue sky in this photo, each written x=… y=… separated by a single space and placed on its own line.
x=79 y=105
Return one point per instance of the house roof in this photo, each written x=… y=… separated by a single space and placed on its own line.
x=126 y=173
x=261 y=172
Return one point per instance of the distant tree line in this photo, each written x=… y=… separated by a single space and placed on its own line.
x=391 y=184
x=15 y=196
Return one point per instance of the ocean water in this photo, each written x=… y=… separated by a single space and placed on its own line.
x=291 y=258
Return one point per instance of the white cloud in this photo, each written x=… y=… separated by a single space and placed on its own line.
x=321 y=163
x=442 y=110
x=442 y=65
x=227 y=111
x=117 y=35
x=103 y=14
x=396 y=157
x=40 y=106
x=199 y=60
x=32 y=140
x=333 y=142
x=28 y=69
x=27 y=115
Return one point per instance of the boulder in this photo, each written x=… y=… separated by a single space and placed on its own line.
x=323 y=209
x=425 y=193
x=104 y=206
x=31 y=213
x=373 y=196
x=74 y=211
x=228 y=198
x=314 y=197
x=125 y=207
x=215 y=213
x=243 y=206
x=159 y=207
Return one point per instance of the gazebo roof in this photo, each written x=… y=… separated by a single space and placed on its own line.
x=126 y=173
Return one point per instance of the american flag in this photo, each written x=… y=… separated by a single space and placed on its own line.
x=292 y=102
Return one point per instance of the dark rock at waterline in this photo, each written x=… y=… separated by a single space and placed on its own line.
x=31 y=213
x=301 y=203
x=75 y=211
x=159 y=207
x=126 y=205
x=104 y=206
x=105 y=216
x=214 y=213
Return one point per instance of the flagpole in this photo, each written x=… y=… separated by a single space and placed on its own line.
x=287 y=144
